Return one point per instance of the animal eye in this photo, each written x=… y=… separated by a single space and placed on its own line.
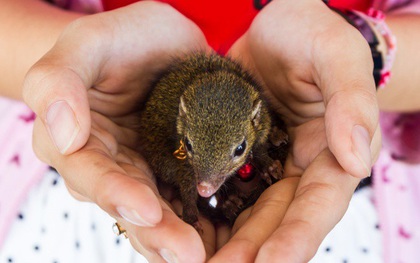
x=240 y=149
x=188 y=144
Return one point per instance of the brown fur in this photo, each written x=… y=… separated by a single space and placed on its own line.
x=215 y=104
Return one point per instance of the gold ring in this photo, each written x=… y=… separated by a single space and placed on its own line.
x=119 y=230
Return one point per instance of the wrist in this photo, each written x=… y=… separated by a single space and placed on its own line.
x=385 y=43
x=380 y=39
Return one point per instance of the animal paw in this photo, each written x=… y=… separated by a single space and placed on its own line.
x=275 y=171
x=278 y=137
x=232 y=206
x=190 y=216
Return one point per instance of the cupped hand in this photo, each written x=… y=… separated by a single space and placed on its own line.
x=317 y=67
x=317 y=73
x=85 y=92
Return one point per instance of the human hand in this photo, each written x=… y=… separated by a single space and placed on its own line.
x=85 y=92
x=317 y=71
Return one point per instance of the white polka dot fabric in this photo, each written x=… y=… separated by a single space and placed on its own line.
x=52 y=227
x=357 y=237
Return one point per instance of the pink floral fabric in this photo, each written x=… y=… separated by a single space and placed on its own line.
x=396 y=174
x=397 y=187
x=19 y=167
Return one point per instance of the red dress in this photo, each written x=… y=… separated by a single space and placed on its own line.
x=223 y=22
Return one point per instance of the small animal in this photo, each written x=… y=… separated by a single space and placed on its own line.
x=203 y=123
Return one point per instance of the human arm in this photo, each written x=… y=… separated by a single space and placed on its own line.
x=28 y=29
x=402 y=93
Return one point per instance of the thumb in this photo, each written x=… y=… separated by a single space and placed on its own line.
x=58 y=96
x=351 y=116
x=351 y=121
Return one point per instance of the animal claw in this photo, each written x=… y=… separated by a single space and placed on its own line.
x=197 y=225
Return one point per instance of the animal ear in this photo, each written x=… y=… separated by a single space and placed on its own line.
x=182 y=108
x=256 y=112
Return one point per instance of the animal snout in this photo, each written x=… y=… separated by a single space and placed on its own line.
x=206 y=189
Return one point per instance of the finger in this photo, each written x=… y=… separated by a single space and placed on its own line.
x=109 y=185
x=172 y=240
x=345 y=78
x=224 y=232
x=208 y=237
x=122 y=189
x=76 y=195
x=58 y=97
x=264 y=218
x=322 y=198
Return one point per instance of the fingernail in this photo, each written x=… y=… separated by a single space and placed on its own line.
x=168 y=255
x=62 y=125
x=361 y=146
x=133 y=217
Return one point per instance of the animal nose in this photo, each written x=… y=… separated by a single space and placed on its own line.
x=205 y=189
